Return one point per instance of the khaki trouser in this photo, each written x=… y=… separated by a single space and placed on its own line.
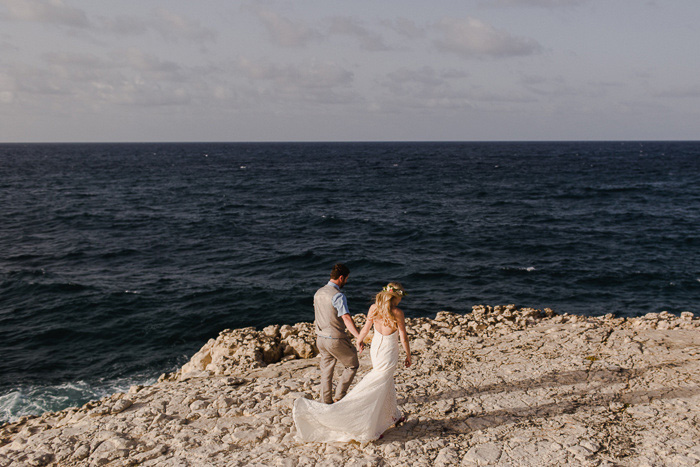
x=332 y=351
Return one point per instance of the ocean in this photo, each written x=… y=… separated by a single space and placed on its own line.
x=119 y=261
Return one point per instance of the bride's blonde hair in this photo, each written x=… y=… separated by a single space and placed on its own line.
x=386 y=300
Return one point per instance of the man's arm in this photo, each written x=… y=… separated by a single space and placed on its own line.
x=350 y=324
x=341 y=304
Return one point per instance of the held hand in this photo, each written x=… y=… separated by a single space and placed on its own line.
x=360 y=346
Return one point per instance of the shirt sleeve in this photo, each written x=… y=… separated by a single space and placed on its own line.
x=340 y=303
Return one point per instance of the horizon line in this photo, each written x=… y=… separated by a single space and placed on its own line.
x=365 y=141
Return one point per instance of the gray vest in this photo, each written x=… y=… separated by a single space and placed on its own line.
x=327 y=322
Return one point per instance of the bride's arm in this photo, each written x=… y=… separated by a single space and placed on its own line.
x=401 y=322
x=365 y=330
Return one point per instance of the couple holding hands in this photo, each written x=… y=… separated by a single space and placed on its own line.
x=365 y=412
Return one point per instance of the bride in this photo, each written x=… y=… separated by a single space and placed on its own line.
x=370 y=407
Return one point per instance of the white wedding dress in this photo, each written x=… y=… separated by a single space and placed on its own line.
x=365 y=412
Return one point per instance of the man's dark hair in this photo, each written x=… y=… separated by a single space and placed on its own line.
x=339 y=270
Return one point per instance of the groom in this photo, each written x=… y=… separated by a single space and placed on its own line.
x=332 y=321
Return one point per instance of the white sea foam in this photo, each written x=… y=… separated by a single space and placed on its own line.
x=513 y=268
x=8 y=402
x=37 y=399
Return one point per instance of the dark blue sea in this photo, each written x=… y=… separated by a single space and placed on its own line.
x=119 y=261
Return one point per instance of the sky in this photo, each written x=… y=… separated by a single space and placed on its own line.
x=326 y=70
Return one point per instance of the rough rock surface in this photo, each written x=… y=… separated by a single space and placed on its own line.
x=497 y=386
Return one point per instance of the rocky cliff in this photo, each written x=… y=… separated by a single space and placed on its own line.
x=496 y=386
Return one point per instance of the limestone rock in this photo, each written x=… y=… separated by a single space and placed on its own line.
x=121 y=405
x=300 y=347
x=483 y=454
x=500 y=385
x=446 y=457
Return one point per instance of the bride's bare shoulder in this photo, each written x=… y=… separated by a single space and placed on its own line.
x=398 y=315
x=372 y=311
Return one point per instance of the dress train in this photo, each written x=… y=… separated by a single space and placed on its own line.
x=365 y=412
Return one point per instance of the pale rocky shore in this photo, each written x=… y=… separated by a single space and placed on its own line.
x=497 y=386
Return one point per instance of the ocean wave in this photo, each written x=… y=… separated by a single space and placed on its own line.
x=518 y=269
x=37 y=399
x=33 y=284
x=120 y=253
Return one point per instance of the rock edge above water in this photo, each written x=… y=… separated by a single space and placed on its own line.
x=498 y=386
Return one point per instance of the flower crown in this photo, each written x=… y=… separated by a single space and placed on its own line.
x=399 y=292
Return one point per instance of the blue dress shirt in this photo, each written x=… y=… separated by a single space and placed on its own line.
x=340 y=302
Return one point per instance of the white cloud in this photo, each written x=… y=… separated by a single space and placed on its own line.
x=423 y=104
x=688 y=92
x=284 y=31
x=424 y=88
x=561 y=87
x=471 y=38
x=453 y=74
x=314 y=82
x=429 y=90
x=7 y=48
x=406 y=28
x=287 y=32
x=169 y=25
x=541 y=3
x=149 y=94
x=8 y=87
x=152 y=66
x=553 y=87
x=74 y=60
x=425 y=76
x=174 y=27
x=77 y=64
x=345 y=25
x=314 y=75
x=123 y=25
x=46 y=11
x=37 y=82
x=86 y=83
